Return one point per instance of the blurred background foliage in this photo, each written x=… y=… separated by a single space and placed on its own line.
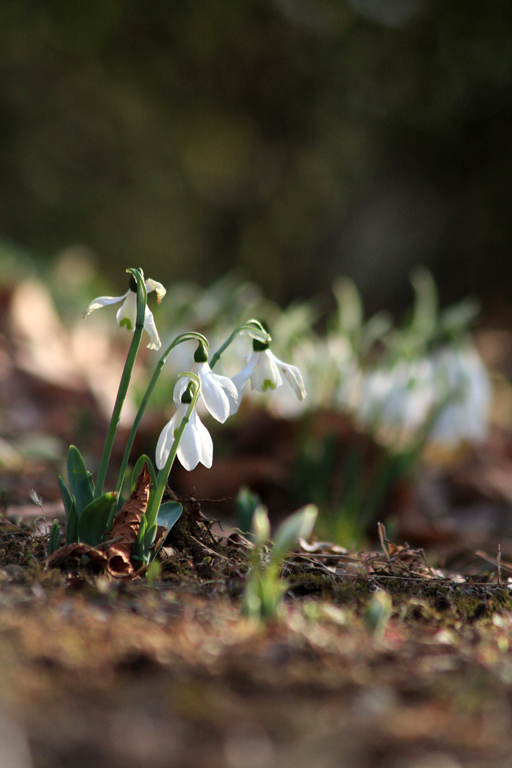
x=294 y=140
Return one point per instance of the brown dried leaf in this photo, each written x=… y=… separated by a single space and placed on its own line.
x=62 y=554
x=126 y=527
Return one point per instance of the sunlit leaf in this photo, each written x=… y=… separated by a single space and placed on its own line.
x=169 y=513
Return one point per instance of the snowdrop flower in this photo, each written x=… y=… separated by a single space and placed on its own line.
x=127 y=313
x=465 y=382
x=264 y=370
x=195 y=446
x=219 y=394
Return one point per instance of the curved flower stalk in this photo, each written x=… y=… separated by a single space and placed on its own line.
x=197 y=445
x=191 y=336
x=141 y=299
x=252 y=328
x=127 y=313
x=264 y=370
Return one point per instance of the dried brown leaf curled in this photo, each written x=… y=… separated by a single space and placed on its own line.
x=126 y=527
x=63 y=554
x=114 y=556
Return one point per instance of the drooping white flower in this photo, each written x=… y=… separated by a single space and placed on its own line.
x=219 y=394
x=127 y=313
x=264 y=370
x=196 y=445
x=462 y=375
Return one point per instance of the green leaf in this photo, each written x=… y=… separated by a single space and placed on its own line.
x=54 y=540
x=297 y=526
x=67 y=498
x=72 y=529
x=80 y=480
x=149 y=537
x=138 y=552
x=137 y=468
x=169 y=514
x=92 y=523
x=350 y=306
x=424 y=318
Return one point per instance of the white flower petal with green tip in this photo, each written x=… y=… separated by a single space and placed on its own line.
x=127 y=313
x=196 y=443
x=262 y=368
x=266 y=374
x=217 y=392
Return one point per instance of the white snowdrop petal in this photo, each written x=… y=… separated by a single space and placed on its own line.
x=206 y=443
x=266 y=373
x=189 y=451
x=164 y=444
x=150 y=328
x=103 y=301
x=127 y=313
x=154 y=285
x=294 y=377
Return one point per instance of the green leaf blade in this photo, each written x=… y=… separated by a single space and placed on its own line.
x=169 y=514
x=80 y=480
x=92 y=523
x=72 y=529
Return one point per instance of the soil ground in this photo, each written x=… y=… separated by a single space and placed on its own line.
x=129 y=674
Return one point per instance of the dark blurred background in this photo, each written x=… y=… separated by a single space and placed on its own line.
x=293 y=140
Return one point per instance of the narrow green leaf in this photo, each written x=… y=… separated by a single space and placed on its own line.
x=92 y=523
x=67 y=498
x=137 y=468
x=149 y=538
x=138 y=552
x=54 y=540
x=297 y=526
x=72 y=529
x=80 y=480
x=426 y=303
x=169 y=514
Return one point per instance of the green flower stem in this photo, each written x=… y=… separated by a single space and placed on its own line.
x=162 y=477
x=125 y=380
x=142 y=407
x=252 y=327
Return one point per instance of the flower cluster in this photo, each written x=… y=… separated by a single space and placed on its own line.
x=447 y=392
x=220 y=395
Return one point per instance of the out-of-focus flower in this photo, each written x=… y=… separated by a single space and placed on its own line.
x=127 y=313
x=461 y=374
x=196 y=445
x=445 y=396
